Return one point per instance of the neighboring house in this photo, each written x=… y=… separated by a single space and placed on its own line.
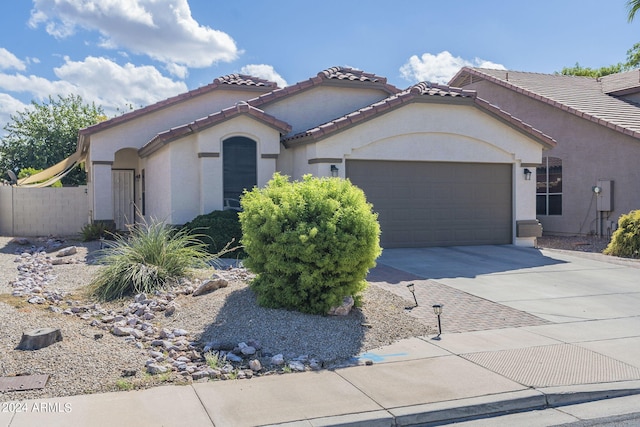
x=592 y=175
x=440 y=165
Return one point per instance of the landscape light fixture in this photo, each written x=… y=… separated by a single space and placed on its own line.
x=527 y=174
x=412 y=289
x=437 y=309
x=334 y=171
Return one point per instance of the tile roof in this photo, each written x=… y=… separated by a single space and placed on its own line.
x=244 y=80
x=241 y=108
x=421 y=92
x=241 y=81
x=582 y=96
x=335 y=75
x=621 y=82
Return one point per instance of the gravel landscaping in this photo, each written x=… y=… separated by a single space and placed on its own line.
x=91 y=359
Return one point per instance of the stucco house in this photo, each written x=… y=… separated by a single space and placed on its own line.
x=591 y=176
x=440 y=165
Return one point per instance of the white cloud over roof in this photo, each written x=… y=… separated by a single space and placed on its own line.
x=440 y=68
x=264 y=71
x=115 y=87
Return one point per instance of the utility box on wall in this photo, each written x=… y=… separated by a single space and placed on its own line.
x=528 y=228
x=604 y=199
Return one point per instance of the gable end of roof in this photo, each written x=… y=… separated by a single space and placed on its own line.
x=241 y=108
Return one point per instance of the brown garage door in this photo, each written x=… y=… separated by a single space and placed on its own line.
x=437 y=203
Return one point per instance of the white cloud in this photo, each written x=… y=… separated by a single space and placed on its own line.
x=440 y=68
x=163 y=30
x=8 y=106
x=264 y=71
x=114 y=86
x=178 y=70
x=8 y=61
x=99 y=80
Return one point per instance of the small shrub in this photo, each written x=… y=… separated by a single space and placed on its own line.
x=214 y=360
x=219 y=229
x=96 y=230
x=310 y=242
x=625 y=241
x=145 y=260
x=124 y=385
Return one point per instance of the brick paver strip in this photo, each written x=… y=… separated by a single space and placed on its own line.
x=462 y=312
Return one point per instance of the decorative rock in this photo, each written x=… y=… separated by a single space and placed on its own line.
x=121 y=331
x=39 y=338
x=210 y=285
x=277 y=360
x=179 y=332
x=344 y=309
x=154 y=369
x=233 y=357
x=36 y=300
x=247 y=350
x=255 y=365
x=71 y=250
x=198 y=375
x=296 y=365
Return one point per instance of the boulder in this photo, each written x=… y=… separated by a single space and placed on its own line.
x=344 y=309
x=39 y=338
x=210 y=285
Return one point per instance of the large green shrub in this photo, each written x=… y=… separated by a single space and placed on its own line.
x=219 y=229
x=310 y=242
x=625 y=241
x=146 y=259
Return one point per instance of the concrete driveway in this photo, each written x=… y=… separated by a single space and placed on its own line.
x=558 y=286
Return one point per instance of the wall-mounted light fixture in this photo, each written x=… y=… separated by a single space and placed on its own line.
x=437 y=309
x=527 y=174
x=596 y=189
x=334 y=171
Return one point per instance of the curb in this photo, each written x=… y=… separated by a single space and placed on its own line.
x=475 y=407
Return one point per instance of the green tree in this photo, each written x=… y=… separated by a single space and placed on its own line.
x=579 y=70
x=632 y=6
x=46 y=133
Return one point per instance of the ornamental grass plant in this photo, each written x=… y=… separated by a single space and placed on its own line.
x=147 y=258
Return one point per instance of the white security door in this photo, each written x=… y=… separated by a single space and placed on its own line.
x=123 y=202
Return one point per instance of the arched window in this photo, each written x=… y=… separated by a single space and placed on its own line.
x=239 y=166
x=549 y=187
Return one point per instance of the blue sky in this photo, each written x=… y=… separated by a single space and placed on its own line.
x=121 y=53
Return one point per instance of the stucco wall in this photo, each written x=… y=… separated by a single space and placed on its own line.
x=43 y=211
x=431 y=132
x=589 y=152
x=321 y=104
x=193 y=174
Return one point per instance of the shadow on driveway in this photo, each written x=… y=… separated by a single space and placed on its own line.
x=459 y=261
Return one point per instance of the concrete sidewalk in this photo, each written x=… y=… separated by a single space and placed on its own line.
x=562 y=334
